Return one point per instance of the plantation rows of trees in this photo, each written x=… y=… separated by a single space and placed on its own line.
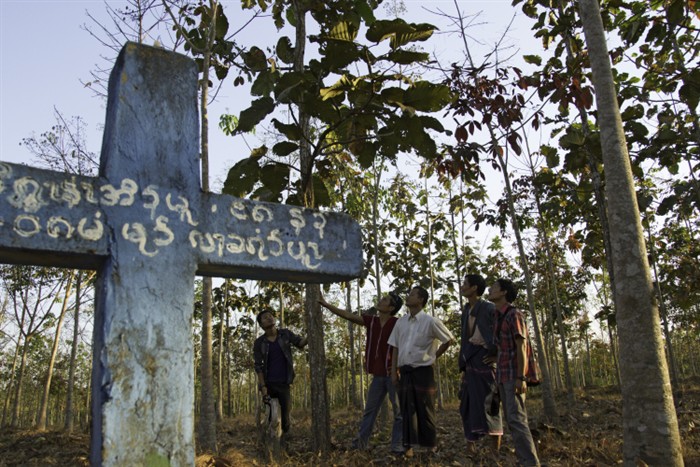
x=466 y=164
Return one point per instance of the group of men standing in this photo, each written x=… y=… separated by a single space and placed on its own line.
x=400 y=354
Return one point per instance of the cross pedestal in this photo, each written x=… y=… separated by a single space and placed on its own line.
x=146 y=226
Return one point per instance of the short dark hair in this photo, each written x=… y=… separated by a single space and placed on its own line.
x=510 y=288
x=477 y=280
x=423 y=294
x=396 y=301
x=266 y=310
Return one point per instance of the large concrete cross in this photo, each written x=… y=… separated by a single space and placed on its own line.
x=148 y=229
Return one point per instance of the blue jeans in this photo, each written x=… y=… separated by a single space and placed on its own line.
x=516 y=416
x=378 y=388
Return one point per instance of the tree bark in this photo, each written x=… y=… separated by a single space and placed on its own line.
x=650 y=427
x=550 y=407
x=43 y=408
x=320 y=408
x=73 y=356
x=207 y=415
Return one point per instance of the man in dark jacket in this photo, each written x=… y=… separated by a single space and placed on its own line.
x=273 y=362
x=478 y=377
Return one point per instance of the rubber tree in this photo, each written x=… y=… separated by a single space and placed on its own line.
x=650 y=426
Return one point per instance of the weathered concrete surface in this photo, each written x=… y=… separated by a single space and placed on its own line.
x=147 y=228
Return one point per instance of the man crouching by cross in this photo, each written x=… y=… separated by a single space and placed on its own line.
x=274 y=366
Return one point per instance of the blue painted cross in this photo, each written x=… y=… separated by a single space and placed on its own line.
x=148 y=229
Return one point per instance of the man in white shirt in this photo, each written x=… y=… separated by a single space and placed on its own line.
x=418 y=339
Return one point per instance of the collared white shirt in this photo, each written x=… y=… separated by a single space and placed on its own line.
x=418 y=338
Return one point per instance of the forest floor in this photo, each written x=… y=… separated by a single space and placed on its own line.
x=589 y=433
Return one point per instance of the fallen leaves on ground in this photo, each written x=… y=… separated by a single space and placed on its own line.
x=589 y=433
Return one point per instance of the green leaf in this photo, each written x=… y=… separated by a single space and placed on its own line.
x=221 y=24
x=255 y=59
x=690 y=94
x=321 y=195
x=275 y=177
x=398 y=32
x=343 y=31
x=250 y=117
x=422 y=95
x=533 y=59
x=291 y=130
x=284 y=148
x=290 y=87
x=365 y=11
x=337 y=55
x=432 y=123
x=228 y=124
x=407 y=57
x=285 y=51
x=676 y=11
x=551 y=155
x=573 y=137
x=345 y=83
x=243 y=176
x=263 y=84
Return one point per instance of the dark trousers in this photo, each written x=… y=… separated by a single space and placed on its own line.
x=417 y=390
x=280 y=391
x=479 y=382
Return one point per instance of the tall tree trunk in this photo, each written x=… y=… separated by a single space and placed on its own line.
x=362 y=372
x=229 y=404
x=41 y=423
x=455 y=248
x=378 y=167
x=207 y=403
x=550 y=408
x=222 y=318
x=320 y=409
x=650 y=426
x=10 y=385
x=207 y=414
x=589 y=366
x=675 y=381
x=351 y=331
x=17 y=406
x=554 y=287
x=429 y=226
x=73 y=356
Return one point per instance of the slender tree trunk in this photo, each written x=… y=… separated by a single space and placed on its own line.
x=455 y=249
x=220 y=356
x=664 y=318
x=229 y=409
x=553 y=282
x=351 y=332
x=10 y=385
x=650 y=426
x=378 y=169
x=588 y=357
x=207 y=403
x=362 y=372
x=73 y=356
x=207 y=415
x=41 y=423
x=550 y=408
x=320 y=410
x=17 y=407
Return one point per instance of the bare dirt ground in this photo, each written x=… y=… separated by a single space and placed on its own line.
x=589 y=434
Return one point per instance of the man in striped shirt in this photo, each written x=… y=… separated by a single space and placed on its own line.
x=377 y=363
x=511 y=339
